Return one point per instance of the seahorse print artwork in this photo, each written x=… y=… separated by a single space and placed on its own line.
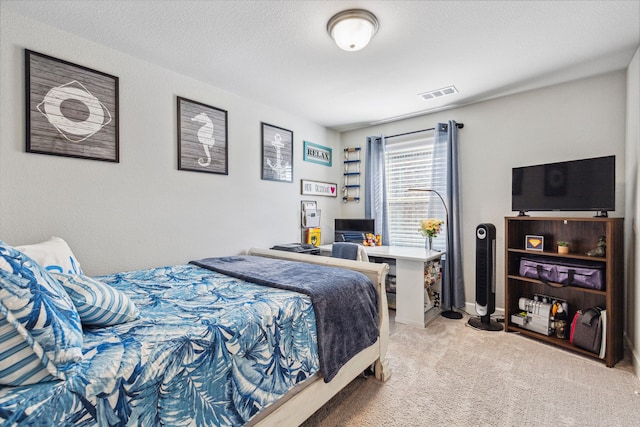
x=278 y=167
x=205 y=136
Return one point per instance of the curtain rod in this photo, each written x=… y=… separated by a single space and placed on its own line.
x=458 y=125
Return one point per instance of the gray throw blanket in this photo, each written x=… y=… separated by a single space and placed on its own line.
x=345 y=302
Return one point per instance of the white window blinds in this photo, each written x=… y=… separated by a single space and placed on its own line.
x=409 y=164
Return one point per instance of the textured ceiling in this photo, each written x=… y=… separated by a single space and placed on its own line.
x=279 y=53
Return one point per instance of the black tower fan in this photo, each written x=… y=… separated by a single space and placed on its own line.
x=485 y=278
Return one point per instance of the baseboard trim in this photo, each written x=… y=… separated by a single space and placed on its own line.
x=635 y=356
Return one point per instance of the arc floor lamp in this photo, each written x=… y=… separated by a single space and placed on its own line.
x=450 y=313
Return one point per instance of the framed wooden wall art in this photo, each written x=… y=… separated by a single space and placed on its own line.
x=202 y=138
x=71 y=110
x=277 y=153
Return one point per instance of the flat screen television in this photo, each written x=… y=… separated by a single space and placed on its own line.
x=353 y=229
x=577 y=185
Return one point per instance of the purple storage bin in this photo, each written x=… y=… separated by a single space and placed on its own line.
x=581 y=273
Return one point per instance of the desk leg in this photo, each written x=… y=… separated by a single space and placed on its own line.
x=410 y=292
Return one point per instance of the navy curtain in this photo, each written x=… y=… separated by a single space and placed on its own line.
x=447 y=184
x=375 y=205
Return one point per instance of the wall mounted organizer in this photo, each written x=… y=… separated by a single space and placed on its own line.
x=351 y=188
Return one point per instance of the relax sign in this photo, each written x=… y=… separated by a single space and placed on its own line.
x=317 y=153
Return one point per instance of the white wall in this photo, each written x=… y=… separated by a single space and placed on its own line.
x=143 y=212
x=632 y=214
x=580 y=119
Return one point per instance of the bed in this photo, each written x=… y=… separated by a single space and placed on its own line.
x=197 y=344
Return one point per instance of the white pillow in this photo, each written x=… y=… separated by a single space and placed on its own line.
x=54 y=255
x=98 y=304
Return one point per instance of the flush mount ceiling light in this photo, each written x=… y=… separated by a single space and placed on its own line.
x=352 y=29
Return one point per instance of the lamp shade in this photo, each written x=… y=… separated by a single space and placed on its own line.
x=352 y=29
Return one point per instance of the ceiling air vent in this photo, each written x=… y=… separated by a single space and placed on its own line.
x=432 y=94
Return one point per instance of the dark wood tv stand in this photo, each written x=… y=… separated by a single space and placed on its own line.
x=582 y=233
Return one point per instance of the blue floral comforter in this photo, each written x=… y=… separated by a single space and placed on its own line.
x=208 y=349
x=345 y=302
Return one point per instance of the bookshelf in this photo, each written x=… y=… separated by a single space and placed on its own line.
x=583 y=234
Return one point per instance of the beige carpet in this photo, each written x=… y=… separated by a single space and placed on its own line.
x=451 y=374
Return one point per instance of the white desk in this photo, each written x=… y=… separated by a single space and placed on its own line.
x=409 y=278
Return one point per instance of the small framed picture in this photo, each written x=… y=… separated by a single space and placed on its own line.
x=533 y=242
x=202 y=138
x=277 y=153
x=71 y=110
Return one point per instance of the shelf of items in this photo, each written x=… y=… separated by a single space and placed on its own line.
x=351 y=187
x=432 y=283
x=391 y=278
x=421 y=281
x=583 y=234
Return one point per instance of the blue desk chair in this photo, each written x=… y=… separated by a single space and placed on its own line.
x=348 y=250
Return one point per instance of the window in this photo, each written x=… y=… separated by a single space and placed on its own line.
x=409 y=164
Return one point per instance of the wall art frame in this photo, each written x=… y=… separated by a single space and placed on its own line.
x=202 y=137
x=277 y=153
x=71 y=110
x=318 y=188
x=316 y=153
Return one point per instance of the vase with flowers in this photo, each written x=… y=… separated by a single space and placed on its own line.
x=430 y=228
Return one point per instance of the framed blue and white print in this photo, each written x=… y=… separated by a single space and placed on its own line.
x=317 y=154
x=71 y=110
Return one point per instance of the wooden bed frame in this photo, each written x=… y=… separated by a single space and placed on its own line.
x=298 y=405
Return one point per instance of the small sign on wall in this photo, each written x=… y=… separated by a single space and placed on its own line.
x=317 y=153
x=317 y=188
